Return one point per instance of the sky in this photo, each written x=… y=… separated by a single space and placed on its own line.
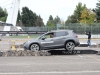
x=45 y=8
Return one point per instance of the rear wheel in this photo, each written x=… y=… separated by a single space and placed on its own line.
x=70 y=46
x=35 y=47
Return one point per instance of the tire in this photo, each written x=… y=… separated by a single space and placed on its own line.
x=34 y=47
x=70 y=46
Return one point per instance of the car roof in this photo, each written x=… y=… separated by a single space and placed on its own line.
x=59 y=30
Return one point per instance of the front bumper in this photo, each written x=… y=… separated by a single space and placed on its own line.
x=26 y=46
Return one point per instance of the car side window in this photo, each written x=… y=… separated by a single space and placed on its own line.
x=60 y=34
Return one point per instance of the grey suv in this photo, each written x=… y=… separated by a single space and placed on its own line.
x=53 y=40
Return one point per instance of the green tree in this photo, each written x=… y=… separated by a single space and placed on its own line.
x=25 y=16
x=97 y=11
x=50 y=21
x=53 y=22
x=32 y=18
x=19 y=17
x=76 y=16
x=68 y=20
x=39 y=21
x=50 y=18
x=78 y=11
x=3 y=14
x=71 y=19
x=87 y=16
x=57 y=20
x=28 y=17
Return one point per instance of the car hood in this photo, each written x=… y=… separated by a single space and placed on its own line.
x=32 y=40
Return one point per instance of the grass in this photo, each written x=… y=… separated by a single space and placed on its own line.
x=23 y=36
x=27 y=36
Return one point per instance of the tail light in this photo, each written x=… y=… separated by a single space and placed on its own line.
x=76 y=35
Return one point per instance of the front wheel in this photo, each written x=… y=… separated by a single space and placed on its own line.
x=35 y=47
x=70 y=46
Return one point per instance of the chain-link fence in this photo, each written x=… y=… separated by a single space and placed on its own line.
x=80 y=29
x=76 y=27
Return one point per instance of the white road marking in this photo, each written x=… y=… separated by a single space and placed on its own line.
x=80 y=55
x=51 y=72
x=70 y=57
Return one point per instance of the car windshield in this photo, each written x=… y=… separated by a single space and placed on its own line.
x=42 y=35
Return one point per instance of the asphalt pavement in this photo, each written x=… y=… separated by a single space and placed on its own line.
x=51 y=65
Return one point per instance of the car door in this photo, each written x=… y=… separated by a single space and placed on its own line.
x=59 y=38
x=47 y=42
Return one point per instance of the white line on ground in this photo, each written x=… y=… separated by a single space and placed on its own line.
x=67 y=57
x=52 y=72
x=80 y=55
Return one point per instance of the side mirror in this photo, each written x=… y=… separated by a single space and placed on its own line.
x=43 y=38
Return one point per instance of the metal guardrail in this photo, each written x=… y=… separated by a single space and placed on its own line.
x=0 y=37
x=22 y=32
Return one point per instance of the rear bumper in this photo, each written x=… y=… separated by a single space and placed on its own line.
x=77 y=43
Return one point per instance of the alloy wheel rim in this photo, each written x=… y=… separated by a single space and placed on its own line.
x=70 y=46
x=35 y=47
